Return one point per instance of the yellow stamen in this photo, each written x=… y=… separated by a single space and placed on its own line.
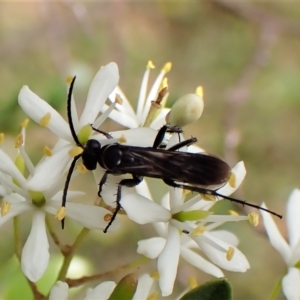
x=122 y=139
x=150 y=65
x=69 y=79
x=153 y=296
x=232 y=180
x=229 y=253
x=81 y=168
x=61 y=213
x=192 y=282
x=164 y=83
x=253 y=218
x=233 y=213
x=75 y=151
x=47 y=151
x=167 y=67
x=208 y=197
x=1 y=138
x=24 y=123
x=107 y=217
x=19 y=140
x=199 y=91
x=155 y=275
x=118 y=99
x=45 y=120
x=5 y=208
x=198 y=230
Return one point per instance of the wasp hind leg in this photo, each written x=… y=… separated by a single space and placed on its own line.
x=131 y=182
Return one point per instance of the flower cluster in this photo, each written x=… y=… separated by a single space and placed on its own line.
x=185 y=226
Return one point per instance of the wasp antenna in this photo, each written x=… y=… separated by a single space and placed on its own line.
x=70 y=114
x=248 y=204
x=65 y=191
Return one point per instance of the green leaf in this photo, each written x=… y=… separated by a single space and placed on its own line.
x=215 y=289
x=125 y=289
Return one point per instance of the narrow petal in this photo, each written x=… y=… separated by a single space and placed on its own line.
x=35 y=254
x=101 y=291
x=293 y=220
x=226 y=236
x=59 y=291
x=36 y=108
x=199 y=262
x=168 y=262
x=238 y=263
x=50 y=170
x=291 y=284
x=152 y=247
x=144 y=286
x=102 y=85
x=89 y=216
x=275 y=237
x=142 y=211
x=15 y=210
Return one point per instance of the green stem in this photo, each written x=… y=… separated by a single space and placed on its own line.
x=117 y=271
x=68 y=256
x=276 y=290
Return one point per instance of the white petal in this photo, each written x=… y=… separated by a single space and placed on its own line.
x=89 y=216
x=36 y=109
x=70 y=196
x=168 y=262
x=226 y=236
x=152 y=247
x=238 y=263
x=15 y=210
x=8 y=167
x=50 y=170
x=59 y=291
x=291 y=284
x=275 y=237
x=102 y=85
x=144 y=286
x=292 y=216
x=35 y=254
x=142 y=211
x=101 y=291
x=199 y=262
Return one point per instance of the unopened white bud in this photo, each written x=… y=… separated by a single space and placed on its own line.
x=187 y=109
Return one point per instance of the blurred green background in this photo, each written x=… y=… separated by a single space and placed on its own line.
x=246 y=55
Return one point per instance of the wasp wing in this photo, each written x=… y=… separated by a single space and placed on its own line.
x=193 y=168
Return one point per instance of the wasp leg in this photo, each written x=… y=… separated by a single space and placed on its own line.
x=185 y=143
x=107 y=135
x=135 y=180
x=161 y=134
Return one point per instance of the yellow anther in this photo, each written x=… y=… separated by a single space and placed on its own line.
x=118 y=99
x=1 y=138
x=61 y=213
x=19 y=141
x=155 y=275
x=192 y=282
x=150 y=65
x=81 y=168
x=233 y=213
x=5 y=208
x=232 y=180
x=69 y=79
x=122 y=139
x=208 y=197
x=75 y=151
x=167 y=67
x=24 y=123
x=253 y=218
x=199 y=91
x=45 y=120
x=107 y=217
x=153 y=296
x=198 y=230
x=47 y=151
x=229 y=253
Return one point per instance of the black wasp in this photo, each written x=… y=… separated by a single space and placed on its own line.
x=191 y=171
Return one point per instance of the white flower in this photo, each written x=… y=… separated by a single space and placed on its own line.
x=19 y=199
x=289 y=252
